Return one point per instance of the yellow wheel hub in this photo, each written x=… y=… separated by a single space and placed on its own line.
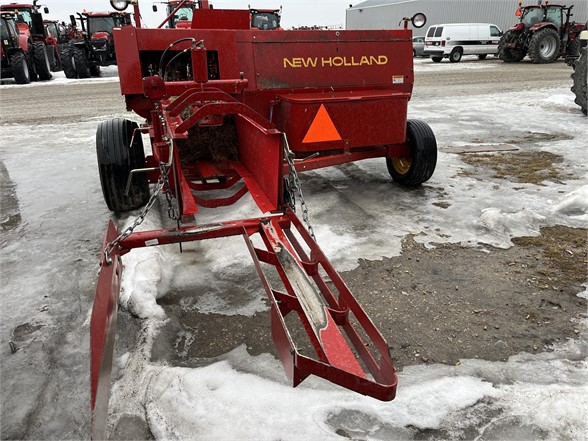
x=401 y=165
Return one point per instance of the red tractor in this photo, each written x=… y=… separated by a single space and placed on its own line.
x=231 y=111
x=93 y=46
x=15 y=63
x=45 y=52
x=544 y=32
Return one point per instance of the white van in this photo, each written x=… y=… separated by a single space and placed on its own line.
x=456 y=39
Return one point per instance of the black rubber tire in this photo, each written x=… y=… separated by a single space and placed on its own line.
x=436 y=59
x=67 y=62
x=41 y=61
x=544 y=46
x=81 y=63
x=20 y=68
x=420 y=166
x=482 y=56
x=580 y=88
x=116 y=160
x=455 y=55
x=507 y=54
x=573 y=49
x=95 y=70
x=57 y=65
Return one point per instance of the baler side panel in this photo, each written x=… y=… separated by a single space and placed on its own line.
x=127 y=58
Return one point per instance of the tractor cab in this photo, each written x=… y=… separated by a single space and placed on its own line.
x=9 y=35
x=180 y=13
x=265 y=19
x=99 y=24
x=534 y=15
x=28 y=18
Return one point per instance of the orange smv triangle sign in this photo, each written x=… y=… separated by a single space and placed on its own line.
x=322 y=128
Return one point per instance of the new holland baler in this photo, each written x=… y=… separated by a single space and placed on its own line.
x=233 y=110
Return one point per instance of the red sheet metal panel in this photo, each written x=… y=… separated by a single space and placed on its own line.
x=261 y=154
x=311 y=59
x=361 y=119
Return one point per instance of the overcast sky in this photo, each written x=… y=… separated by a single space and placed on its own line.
x=295 y=12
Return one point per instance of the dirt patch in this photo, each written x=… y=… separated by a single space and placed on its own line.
x=452 y=303
x=432 y=305
x=523 y=167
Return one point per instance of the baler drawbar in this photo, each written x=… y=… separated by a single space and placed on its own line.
x=231 y=110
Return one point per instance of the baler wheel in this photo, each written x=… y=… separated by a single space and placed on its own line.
x=580 y=87
x=81 y=62
x=20 y=68
x=116 y=158
x=419 y=167
x=67 y=62
x=41 y=61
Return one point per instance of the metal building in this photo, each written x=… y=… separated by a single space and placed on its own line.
x=386 y=14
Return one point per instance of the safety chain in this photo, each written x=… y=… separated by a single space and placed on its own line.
x=161 y=183
x=293 y=186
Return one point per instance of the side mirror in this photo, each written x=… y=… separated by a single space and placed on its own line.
x=72 y=20
x=46 y=10
x=154 y=8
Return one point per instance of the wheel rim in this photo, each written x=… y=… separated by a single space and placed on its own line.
x=548 y=47
x=401 y=165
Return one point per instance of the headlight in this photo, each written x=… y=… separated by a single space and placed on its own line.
x=120 y=5
x=418 y=20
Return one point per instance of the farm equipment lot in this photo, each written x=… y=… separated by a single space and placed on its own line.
x=482 y=263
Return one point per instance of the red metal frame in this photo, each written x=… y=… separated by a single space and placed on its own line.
x=278 y=87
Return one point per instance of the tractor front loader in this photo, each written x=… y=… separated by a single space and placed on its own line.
x=232 y=110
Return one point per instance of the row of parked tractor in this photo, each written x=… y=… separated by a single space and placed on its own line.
x=32 y=47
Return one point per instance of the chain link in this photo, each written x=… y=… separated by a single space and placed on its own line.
x=293 y=186
x=171 y=211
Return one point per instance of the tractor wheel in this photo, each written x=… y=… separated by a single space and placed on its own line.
x=573 y=48
x=116 y=159
x=69 y=68
x=436 y=59
x=41 y=61
x=482 y=56
x=95 y=70
x=510 y=54
x=81 y=62
x=580 y=88
x=420 y=166
x=20 y=68
x=455 y=55
x=57 y=65
x=544 y=46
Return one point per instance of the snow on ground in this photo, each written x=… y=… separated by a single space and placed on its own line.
x=527 y=397
x=356 y=212
x=107 y=74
